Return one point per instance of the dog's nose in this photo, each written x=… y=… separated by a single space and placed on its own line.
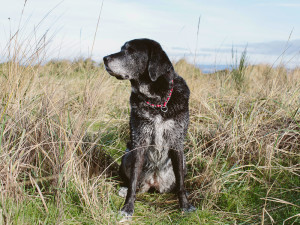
x=106 y=59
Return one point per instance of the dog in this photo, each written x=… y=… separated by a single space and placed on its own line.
x=159 y=118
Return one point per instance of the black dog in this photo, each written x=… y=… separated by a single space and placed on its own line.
x=158 y=122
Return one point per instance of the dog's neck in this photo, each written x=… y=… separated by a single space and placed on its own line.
x=155 y=91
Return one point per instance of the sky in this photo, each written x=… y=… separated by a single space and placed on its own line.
x=203 y=32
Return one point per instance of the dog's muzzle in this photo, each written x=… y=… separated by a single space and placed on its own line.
x=106 y=60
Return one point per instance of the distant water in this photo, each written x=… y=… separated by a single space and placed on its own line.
x=212 y=68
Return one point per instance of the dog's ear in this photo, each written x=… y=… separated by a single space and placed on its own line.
x=159 y=63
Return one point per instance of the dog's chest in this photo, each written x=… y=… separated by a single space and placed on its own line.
x=161 y=140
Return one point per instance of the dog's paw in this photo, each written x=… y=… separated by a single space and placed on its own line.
x=123 y=192
x=127 y=210
x=126 y=213
x=189 y=208
x=124 y=217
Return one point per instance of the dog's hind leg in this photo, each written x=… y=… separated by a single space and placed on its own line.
x=124 y=171
x=123 y=192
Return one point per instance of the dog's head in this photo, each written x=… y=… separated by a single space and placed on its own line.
x=139 y=57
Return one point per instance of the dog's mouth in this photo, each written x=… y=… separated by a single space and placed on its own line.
x=109 y=70
x=119 y=77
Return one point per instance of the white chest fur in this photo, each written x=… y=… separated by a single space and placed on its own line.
x=159 y=145
x=161 y=128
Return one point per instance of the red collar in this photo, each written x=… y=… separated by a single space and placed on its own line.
x=163 y=106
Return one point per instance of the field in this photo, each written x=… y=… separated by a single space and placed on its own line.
x=64 y=127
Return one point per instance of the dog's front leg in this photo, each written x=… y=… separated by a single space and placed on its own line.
x=136 y=167
x=177 y=162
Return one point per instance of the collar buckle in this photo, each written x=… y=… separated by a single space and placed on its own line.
x=164 y=109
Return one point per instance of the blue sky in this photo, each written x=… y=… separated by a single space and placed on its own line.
x=269 y=28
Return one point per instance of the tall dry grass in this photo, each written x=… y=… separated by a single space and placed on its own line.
x=46 y=141
x=242 y=136
x=64 y=125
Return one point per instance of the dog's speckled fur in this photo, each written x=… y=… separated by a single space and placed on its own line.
x=154 y=157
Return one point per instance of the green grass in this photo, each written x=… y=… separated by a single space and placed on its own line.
x=238 y=202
